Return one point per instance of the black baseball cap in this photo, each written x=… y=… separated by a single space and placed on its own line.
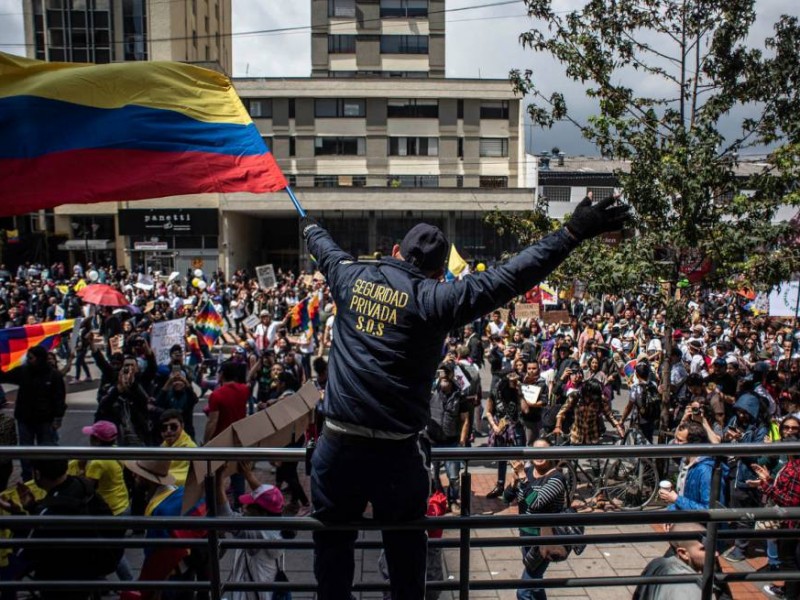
x=425 y=247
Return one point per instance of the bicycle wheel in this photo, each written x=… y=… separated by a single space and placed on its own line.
x=631 y=484
x=567 y=469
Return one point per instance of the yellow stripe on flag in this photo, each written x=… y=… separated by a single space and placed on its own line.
x=455 y=264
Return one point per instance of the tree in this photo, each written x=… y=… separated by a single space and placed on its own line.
x=685 y=182
x=685 y=179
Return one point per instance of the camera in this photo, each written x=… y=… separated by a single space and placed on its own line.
x=696 y=411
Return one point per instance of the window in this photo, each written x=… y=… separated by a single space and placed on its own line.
x=406 y=181
x=291 y=108
x=404 y=44
x=268 y=141
x=341 y=44
x=328 y=108
x=423 y=109
x=460 y=109
x=291 y=180
x=260 y=108
x=340 y=146
x=600 y=193
x=292 y=146
x=494 y=109
x=459 y=181
x=342 y=8
x=331 y=181
x=493 y=181
x=413 y=146
x=556 y=193
x=493 y=147
x=404 y=8
x=460 y=148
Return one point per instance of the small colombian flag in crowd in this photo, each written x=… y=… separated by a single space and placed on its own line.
x=16 y=341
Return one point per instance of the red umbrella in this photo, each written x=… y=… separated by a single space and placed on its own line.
x=102 y=295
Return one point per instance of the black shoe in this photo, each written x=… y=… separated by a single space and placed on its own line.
x=496 y=492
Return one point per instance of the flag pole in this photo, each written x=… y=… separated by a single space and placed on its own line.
x=300 y=210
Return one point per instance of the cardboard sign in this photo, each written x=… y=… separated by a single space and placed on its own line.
x=116 y=343
x=308 y=280
x=252 y=430
x=266 y=276
x=531 y=393
x=503 y=314
x=310 y=395
x=166 y=334
x=526 y=312
x=290 y=416
x=555 y=316
x=461 y=379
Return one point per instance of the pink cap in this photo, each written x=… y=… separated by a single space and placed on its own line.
x=105 y=431
x=265 y=496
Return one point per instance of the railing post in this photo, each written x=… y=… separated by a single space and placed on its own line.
x=710 y=563
x=464 y=533
x=213 y=534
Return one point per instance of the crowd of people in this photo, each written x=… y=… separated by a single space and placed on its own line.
x=730 y=377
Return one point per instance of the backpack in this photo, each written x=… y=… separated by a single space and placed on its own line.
x=95 y=561
x=647 y=400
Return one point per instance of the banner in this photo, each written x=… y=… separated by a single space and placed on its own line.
x=555 y=316
x=783 y=300
x=166 y=334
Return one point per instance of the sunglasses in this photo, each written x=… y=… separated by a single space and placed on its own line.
x=170 y=426
x=790 y=428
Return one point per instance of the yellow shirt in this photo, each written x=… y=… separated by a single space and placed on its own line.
x=179 y=469
x=110 y=483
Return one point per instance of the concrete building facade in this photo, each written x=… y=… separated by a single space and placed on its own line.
x=104 y=31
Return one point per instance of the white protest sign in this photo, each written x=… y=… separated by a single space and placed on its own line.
x=266 y=276
x=783 y=299
x=251 y=322
x=166 y=334
x=461 y=379
x=76 y=332
x=531 y=393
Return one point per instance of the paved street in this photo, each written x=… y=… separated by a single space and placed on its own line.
x=487 y=563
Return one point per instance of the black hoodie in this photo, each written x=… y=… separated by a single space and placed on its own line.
x=42 y=395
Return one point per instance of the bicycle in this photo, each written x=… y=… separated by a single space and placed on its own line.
x=624 y=483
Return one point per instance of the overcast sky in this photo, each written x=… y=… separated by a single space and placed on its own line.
x=481 y=43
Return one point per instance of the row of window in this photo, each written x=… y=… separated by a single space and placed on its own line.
x=389 y=8
x=396 y=108
x=400 y=181
x=390 y=44
x=395 y=146
x=563 y=193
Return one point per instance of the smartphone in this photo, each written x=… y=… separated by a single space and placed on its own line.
x=176 y=368
x=441 y=373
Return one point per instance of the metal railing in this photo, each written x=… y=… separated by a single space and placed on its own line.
x=465 y=523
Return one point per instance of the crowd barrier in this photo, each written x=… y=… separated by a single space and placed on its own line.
x=464 y=523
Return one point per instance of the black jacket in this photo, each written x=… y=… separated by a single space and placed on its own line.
x=391 y=323
x=42 y=396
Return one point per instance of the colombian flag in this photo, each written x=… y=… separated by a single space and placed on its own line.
x=16 y=341
x=80 y=133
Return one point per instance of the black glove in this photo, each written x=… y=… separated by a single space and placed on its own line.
x=588 y=221
x=307 y=224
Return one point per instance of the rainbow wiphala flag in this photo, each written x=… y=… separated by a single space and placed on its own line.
x=16 y=341
x=208 y=323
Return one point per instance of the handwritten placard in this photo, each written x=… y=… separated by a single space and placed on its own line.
x=166 y=334
x=556 y=316
x=526 y=312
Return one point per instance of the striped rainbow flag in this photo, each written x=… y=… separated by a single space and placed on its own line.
x=75 y=133
x=16 y=341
